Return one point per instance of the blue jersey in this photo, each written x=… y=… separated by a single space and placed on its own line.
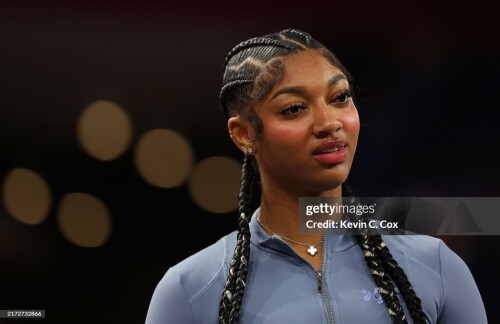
x=282 y=287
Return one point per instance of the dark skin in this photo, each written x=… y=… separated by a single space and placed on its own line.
x=309 y=106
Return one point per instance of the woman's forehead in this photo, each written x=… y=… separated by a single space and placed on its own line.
x=309 y=66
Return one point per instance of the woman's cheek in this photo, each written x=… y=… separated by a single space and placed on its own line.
x=351 y=121
x=287 y=132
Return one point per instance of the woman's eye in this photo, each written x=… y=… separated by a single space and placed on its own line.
x=343 y=97
x=293 y=109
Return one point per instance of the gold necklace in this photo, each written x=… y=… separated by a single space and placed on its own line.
x=311 y=248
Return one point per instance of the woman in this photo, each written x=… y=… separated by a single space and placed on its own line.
x=289 y=108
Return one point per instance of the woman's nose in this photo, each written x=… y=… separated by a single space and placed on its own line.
x=326 y=121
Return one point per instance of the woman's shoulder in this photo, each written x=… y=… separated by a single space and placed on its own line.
x=440 y=278
x=208 y=257
x=428 y=252
x=196 y=280
x=200 y=269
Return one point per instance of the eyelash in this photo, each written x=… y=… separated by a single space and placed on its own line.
x=344 y=93
x=287 y=110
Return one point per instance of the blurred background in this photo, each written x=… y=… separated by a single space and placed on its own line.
x=113 y=149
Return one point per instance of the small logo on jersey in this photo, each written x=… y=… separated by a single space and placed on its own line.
x=376 y=296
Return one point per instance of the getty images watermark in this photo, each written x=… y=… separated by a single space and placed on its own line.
x=401 y=215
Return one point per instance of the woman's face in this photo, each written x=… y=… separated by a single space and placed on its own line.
x=310 y=127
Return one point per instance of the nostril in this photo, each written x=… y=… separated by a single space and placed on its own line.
x=327 y=128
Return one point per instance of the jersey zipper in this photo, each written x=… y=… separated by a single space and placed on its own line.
x=325 y=297
x=327 y=305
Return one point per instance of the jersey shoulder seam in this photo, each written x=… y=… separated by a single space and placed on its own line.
x=212 y=280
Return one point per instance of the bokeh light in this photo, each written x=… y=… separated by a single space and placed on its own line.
x=215 y=183
x=164 y=158
x=27 y=196
x=104 y=130
x=84 y=220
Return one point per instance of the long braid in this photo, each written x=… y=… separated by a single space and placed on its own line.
x=230 y=304
x=412 y=301
x=384 y=267
x=381 y=278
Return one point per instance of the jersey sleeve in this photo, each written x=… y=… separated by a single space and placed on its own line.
x=462 y=301
x=169 y=303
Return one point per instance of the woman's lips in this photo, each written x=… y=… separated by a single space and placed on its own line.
x=331 y=152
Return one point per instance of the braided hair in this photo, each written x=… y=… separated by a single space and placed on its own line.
x=251 y=69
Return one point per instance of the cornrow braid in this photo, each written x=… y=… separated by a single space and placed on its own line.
x=228 y=87
x=230 y=304
x=253 y=42
x=306 y=36
x=250 y=68
x=242 y=73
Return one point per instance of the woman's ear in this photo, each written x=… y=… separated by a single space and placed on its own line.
x=242 y=133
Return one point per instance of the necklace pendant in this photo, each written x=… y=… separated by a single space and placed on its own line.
x=312 y=250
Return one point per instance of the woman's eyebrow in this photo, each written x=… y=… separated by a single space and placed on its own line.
x=299 y=89
x=335 y=79
x=288 y=90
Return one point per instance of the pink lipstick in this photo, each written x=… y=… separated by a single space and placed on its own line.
x=331 y=152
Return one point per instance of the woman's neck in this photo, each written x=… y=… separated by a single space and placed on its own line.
x=279 y=212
